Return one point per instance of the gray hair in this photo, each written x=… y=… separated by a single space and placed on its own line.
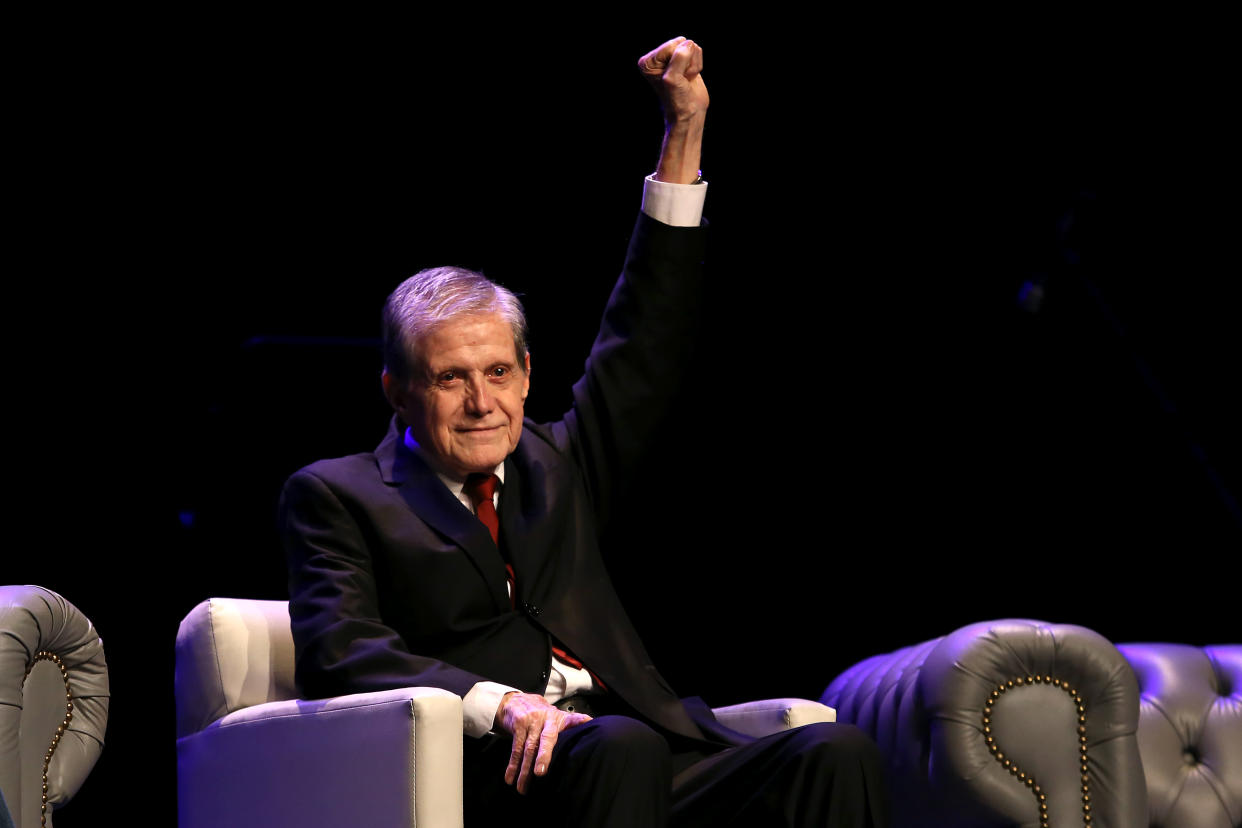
x=437 y=295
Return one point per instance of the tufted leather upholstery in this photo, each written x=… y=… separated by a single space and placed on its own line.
x=46 y=642
x=1190 y=732
x=1162 y=727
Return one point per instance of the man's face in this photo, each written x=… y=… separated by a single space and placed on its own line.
x=465 y=409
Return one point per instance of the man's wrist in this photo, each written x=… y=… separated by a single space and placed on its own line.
x=480 y=706
x=682 y=150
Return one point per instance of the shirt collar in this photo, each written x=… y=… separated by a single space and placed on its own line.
x=454 y=486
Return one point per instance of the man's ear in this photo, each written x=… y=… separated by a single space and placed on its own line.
x=526 y=380
x=395 y=390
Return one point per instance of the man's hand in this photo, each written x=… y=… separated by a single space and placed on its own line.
x=675 y=71
x=535 y=726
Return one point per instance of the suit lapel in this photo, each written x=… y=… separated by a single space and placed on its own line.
x=527 y=503
x=517 y=512
x=432 y=503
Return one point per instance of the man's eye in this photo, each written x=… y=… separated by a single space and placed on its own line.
x=448 y=376
x=500 y=371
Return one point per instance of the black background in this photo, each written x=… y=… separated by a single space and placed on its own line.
x=210 y=218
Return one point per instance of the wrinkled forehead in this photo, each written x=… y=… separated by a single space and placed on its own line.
x=467 y=341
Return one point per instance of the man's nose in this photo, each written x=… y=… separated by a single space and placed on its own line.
x=479 y=400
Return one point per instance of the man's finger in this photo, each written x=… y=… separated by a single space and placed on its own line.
x=682 y=59
x=654 y=62
x=547 y=741
x=515 y=757
x=530 y=750
x=696 y=61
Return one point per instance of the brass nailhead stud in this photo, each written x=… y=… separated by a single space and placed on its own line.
x=1012 y=767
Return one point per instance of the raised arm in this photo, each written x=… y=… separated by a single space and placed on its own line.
x=674 y=70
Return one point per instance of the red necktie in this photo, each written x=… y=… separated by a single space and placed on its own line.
x=482 y=489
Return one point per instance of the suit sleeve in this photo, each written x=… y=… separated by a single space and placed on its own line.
x=342 y=644
x=640 y=356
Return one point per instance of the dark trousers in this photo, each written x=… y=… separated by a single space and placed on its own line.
x=617 y=771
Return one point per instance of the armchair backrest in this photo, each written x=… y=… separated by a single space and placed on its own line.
x=232 y=653
x=53 y=701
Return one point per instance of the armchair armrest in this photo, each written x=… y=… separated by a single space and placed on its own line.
x=763 y=718
x=1011 y=722
x=345 y=761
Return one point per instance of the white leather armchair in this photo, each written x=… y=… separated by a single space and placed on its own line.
x=250 y=753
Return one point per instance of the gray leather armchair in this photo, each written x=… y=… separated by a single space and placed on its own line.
x=53 y=702
x=250 y=753
x=1020 y=722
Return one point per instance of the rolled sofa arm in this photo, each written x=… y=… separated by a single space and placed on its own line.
x=1009 y=722
x=54 y=701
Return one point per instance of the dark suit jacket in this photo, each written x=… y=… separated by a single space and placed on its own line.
x=393 y=582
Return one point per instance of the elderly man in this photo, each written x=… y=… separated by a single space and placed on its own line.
x=464 y=553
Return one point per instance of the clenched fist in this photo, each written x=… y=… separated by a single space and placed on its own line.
x=675 y=69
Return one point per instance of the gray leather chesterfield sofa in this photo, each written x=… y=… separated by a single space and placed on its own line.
x=1023 y=723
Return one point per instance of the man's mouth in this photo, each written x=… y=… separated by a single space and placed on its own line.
x=480 y=429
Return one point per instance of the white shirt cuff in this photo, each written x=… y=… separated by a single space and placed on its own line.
x=479 y=707
x=678 y=205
